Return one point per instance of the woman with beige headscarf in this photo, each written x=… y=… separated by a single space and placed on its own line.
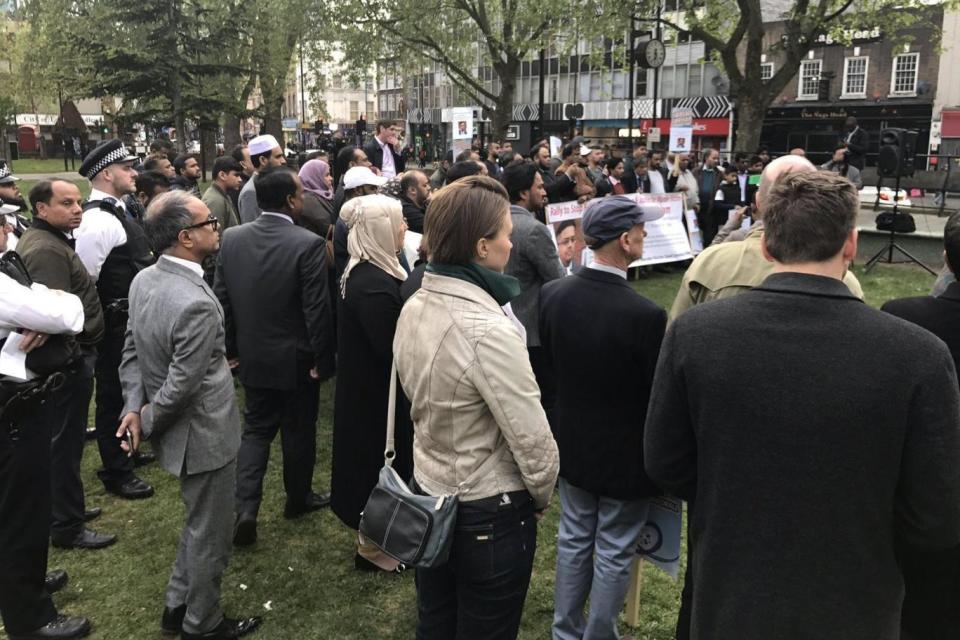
x=368 y=307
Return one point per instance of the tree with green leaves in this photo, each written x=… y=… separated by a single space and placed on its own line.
x=479 y=44
x=734 y=33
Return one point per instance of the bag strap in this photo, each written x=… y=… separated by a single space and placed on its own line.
x=389 y=453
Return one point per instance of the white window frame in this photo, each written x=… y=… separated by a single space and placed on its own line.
x=766 y=65
x=816 y=94
x=893 y=76
x=846 y=73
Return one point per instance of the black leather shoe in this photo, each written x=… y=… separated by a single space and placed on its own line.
x=313 y=502
x=56 y=580
x=60 y=628
x=86 y=539
x=143 y=458
x=245 y=531
x=172 y=620
x=132 y=489
x=228 y=628
x=92 y=514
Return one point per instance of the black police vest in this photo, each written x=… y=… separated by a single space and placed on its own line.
x=123 y=262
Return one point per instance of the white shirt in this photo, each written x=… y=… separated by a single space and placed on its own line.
x=388 y=168
x=38 y=308
x=189 y=264
x=278 y=215
x=99 y=233
x=608 y=269
x=742 y=179
x=656 y=182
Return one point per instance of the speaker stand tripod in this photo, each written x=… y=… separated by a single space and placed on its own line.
x=892 y=242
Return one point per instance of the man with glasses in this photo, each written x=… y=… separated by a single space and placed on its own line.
x=112 y=246
x=382 y=149
x=177 y=389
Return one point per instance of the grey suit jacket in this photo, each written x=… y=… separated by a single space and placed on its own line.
x=534 y=262
x=249 y=209
x=174 y=360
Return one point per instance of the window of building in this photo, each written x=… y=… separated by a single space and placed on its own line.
x=640 y=91
x=620 y=83
x=595 y=86
x=354 y=110
x=695 y=80
x=370 y=110
x=904 y=81
x=809 y=79
x=766 y=71
x=583 y=94
x=855 y=77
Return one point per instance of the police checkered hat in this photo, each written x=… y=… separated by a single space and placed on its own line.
x=5 y=176
x=110 y=152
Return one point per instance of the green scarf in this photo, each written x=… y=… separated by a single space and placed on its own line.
x=502 y=288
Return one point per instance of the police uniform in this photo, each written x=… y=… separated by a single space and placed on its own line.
x=25 y=419
x=728 y=269
x=113 y=247
x=10 y=211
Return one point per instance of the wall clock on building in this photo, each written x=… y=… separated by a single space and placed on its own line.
x=652 y=53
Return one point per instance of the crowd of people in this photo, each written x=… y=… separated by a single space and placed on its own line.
x=815 y=440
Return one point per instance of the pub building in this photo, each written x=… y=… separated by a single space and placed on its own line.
x=866 y=76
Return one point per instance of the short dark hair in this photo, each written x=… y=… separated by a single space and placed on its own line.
x=519 y=178
x=149 y=181
x=448 y=157
x=409 y=179
x=612 y=163
x=807 y=216
x=180 y=162
x=167 y=215
x=153 y=163
x=754 y=159
x=465 y=155
x=566 y=224
x=237 y=152
x=226 y=164
x=463 y=169
x=43 y=192
x=273 y=186
x=951 y=243
x=161 y=145
x=386 y=124
x=342 y=162
x=460 y=215
x=256 y=159
x=568 y=150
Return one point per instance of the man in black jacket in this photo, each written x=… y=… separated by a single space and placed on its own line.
x=856 y=140
x=559 y=187
x=382 y=149
x=415 y=191
x=601 y=340
x=932 y=580
x=839 y=440
x=271 y=280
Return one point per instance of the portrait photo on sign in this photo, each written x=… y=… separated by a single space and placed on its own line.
x=570 y=245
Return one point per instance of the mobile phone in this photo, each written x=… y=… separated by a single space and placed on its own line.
x=129 y=438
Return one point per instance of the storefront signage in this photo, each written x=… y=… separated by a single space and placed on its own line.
x=816 y=114
x=711 y=127
x=850 y=36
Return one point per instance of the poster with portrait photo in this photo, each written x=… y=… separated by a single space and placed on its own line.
x=568 y=237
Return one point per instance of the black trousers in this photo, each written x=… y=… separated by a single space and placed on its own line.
x=294 y=414
x=546 y=382
x=117 y=466
x=25 y=604
x=480 y=591
x=71 y=403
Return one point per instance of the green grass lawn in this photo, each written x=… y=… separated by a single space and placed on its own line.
x=304 y=569
x=36 y=165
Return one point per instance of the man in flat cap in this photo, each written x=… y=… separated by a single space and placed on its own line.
x=600 y=340
x=265 y=152
x=13 y=204
x=112 y=246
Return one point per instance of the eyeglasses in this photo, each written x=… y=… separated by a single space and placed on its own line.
x=211 y=221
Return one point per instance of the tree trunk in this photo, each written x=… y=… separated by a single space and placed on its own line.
x=231 y=132
x=208 y=149
x=503 y=107
x=273 y=119
x=751 y=111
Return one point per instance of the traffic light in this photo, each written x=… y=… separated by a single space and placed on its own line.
x=898 y=148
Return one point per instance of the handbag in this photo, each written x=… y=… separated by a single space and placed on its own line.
x=416 y=530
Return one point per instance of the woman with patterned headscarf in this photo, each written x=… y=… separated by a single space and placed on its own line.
x=368 y=307
x=317 y=196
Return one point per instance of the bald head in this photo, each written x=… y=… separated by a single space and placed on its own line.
x=781 y=166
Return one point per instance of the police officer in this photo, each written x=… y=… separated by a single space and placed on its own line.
x=112 y=246
x=11 y=204
x=34 y=313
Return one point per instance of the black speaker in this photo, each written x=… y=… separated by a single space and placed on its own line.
x=898 y=149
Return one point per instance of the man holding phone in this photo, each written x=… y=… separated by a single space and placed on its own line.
x=177 y=388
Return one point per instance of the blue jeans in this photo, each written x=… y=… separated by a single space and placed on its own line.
x=480 y=591
x=595 y=549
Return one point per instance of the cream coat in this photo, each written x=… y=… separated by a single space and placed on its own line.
x=465 y=368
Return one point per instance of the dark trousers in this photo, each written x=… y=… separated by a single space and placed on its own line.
x=480 y=591
x=294 y=414
x=25 y=604
x=685 y=615
x=117 y=466
x=931 y=580
x=71 y=404
x=546 y=382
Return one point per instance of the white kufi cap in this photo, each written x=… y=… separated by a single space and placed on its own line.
x=262 y=144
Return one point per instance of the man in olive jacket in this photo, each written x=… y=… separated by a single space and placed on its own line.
x=838 y=440
x=47 y=249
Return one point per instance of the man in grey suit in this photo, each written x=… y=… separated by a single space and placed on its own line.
x=265 y=152
x=178 y=391
x=272 y=282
